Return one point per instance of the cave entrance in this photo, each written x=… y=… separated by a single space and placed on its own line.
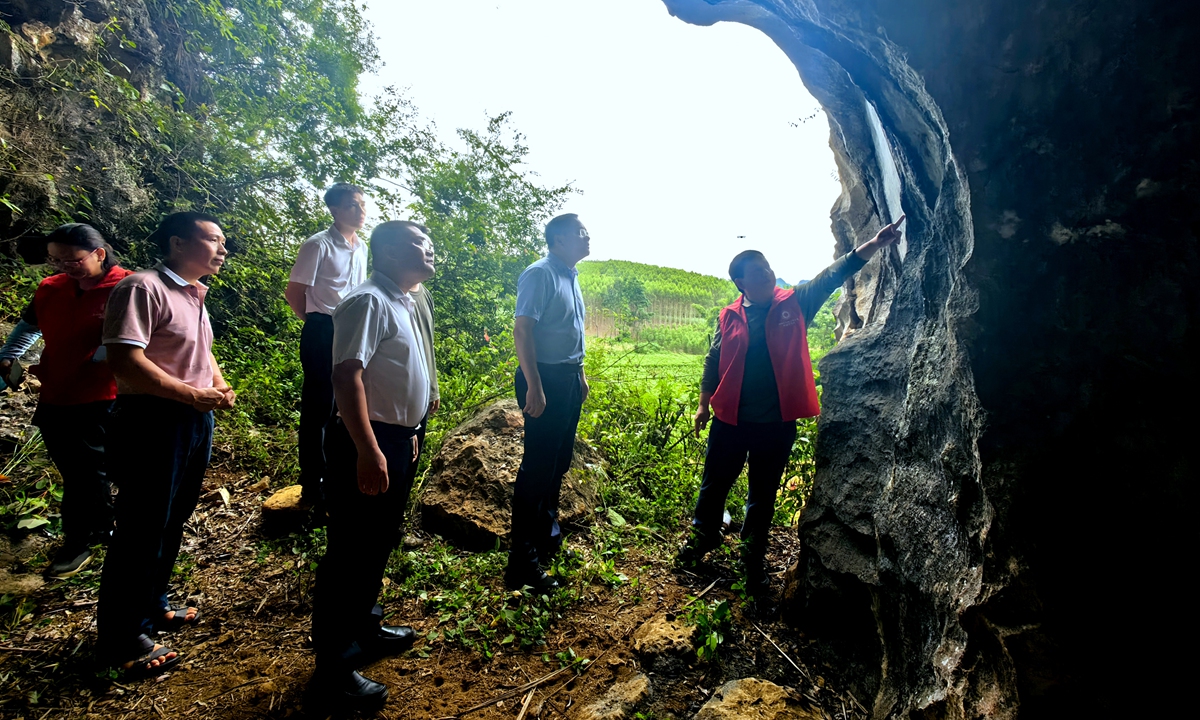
x=689 y=144
x=896 y=430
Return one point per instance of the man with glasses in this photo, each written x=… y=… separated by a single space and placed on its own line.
x=550 y=388
x=328 y=266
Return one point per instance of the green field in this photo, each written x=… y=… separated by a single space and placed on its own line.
x=622 y=363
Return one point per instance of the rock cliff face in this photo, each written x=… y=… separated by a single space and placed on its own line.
x=52 y=53
x=999 y=519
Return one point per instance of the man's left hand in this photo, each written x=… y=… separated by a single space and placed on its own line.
x=586 y=388
x=229 y=397
x=433 y=406
x=889 y=235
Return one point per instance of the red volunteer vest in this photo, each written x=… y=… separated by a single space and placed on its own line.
x=787 y=343
x=72 y=323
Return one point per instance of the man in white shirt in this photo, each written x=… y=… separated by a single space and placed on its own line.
x=381 y=382
x=328 y=266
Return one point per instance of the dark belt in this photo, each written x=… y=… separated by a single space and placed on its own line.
x=560 y=368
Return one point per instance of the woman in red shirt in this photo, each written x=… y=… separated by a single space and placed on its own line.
x=78 y=389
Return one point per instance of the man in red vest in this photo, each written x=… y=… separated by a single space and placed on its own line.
x=758 y=380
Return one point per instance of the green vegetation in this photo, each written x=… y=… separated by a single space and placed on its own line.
x=259 y=109
x=661 y=283
x=711 y=621
x=665 y=308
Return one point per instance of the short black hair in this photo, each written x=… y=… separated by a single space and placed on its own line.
x=179 y=224
x=737 y=266
x=387 y=233
x=555 y=227
x=83 y=236
x=340 y=192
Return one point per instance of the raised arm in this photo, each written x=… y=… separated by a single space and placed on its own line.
x=812 y=294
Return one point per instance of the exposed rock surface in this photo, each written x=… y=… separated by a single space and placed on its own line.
x=618 y=703
x=80 y=145
x=1001 y=465
x=754 y=699
x=15 y=556
x=283 y=511
x=663 y=643
x=467 y=496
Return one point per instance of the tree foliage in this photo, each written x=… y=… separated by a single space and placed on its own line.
x=246 y=109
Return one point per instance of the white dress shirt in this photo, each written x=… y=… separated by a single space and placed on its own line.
x=376 y=324
x=330 y=267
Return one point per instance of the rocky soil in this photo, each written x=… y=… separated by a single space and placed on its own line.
x=250 y=655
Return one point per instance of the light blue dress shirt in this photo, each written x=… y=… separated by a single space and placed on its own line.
x=548 y=291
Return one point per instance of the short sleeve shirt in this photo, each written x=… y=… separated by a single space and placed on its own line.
x=548 y=291
x=161 y=313
x=330 y=267
x=376 y=325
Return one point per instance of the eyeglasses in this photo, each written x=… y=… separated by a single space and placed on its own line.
x=69 y=264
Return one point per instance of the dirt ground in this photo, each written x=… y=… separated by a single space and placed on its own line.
x=250 y=655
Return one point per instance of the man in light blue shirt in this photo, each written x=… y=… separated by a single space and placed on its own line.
x=550 y=388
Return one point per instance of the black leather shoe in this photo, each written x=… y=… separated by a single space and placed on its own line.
x=690 y=556
x=390 y=640
x=532 y=577
x=347 y=691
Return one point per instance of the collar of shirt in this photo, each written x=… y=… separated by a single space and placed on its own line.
x=561 y=266
x=391 y=288
x=198 y=289
x=338 y=237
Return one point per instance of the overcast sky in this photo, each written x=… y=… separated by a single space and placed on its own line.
x=680 y=137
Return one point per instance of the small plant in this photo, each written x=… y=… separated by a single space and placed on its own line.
x=13 y=612
x=711 y=621
x=568 y=658
x=472 y=609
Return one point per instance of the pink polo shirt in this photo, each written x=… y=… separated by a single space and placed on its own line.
x=161 y=313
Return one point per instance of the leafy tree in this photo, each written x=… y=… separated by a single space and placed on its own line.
x=246 y=108
x=625 y=299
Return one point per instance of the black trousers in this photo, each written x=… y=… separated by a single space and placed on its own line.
x=549 y=447
x=316 y=397
x=158 y=452
x=767 y=447
x=363 y=530
x=74 y=437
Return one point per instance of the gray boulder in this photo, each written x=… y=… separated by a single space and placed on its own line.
x=467 y=497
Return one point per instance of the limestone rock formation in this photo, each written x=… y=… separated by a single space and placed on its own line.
x=754 y=699
x=87 y=151
x=618 y=703
x=1003 y=462
x=663 y=643
x=467 y=496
